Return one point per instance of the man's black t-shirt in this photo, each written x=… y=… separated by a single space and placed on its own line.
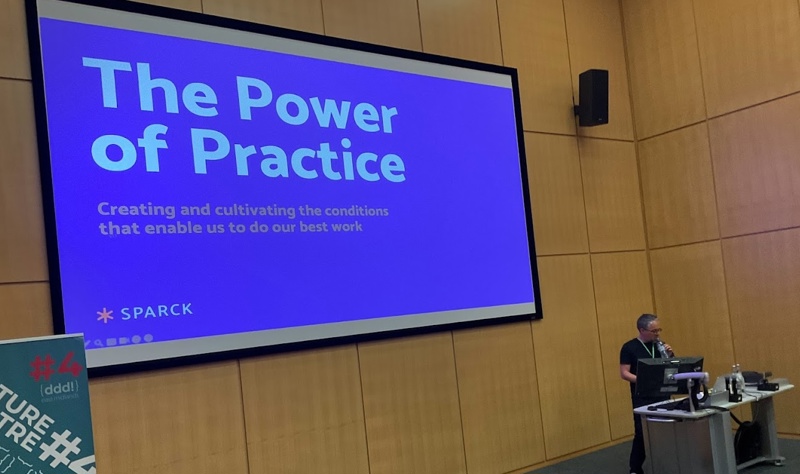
x=630 y=354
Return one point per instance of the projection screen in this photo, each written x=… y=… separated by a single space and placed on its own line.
x=214 y=186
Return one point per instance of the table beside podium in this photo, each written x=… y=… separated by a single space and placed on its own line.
x=702 y=442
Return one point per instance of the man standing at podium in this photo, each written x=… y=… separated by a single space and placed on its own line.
x=641 y=347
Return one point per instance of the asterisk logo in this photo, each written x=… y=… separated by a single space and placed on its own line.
x=105 y=315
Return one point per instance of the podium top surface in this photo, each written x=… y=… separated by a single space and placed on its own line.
x=718 y=399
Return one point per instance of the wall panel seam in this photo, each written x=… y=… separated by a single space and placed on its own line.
x=661 y=134
x=611 y=252
x=419 y=22
x=636 y=141
x=685 y=244
x=363 y=405
x=700 y=58
x=760 y=232
x=27 y=282
x=500 y=33
x=757 y=104
x=538 y=392
x=244 y=414
x=569 y=63
x=8 y=78
x=561 y=254
x=460 y=405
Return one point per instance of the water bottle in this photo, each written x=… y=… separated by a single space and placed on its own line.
x=662 y=349
x=737 y=373
x=735 y=384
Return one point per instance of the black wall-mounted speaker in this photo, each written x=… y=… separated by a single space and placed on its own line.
x=593 y=95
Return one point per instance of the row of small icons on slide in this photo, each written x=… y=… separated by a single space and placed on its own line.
x=117 y=341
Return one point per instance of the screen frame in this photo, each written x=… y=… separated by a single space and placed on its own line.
x=653 y=373
x=48 y=198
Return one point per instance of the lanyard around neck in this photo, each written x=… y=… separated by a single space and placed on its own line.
x=649 y=351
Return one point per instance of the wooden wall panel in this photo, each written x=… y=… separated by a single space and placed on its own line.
x=764 y=288
x=750 y=51
x=594 y=31
x=182 y=421
x=25 y=310
x=411 y=405
x=388 y=22
x=612 y=195
x=22 y=245
x=499 y=398
x=756 y=166
x=554 y=175
x=303 y=412
x=622 y=290
x=692 y=304
x=14 y=60
x=568 y=365
x=303 y=15
x=535 y=42
x=468 y=29
x=189 y=5
x=678 y=187
x=664 y=65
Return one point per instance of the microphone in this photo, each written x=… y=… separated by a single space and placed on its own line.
x=663 y=349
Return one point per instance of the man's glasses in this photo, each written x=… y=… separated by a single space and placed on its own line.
x=655 y=331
